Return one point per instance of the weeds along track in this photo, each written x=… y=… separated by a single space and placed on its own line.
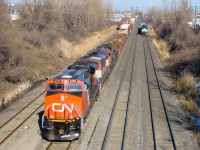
x=163 y=136
x=117 y=124
x=18 y=119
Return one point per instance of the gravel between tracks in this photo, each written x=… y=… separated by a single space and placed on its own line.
x=139 y=132
x=183 y=132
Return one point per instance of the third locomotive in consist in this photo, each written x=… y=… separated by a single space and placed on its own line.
x=71 y=95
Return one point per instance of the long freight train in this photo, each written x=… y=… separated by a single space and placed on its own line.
x=71 y=95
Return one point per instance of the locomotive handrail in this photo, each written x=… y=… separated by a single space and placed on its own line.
x=43 y=115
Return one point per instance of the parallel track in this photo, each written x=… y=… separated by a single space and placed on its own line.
x=115 y=103
x=29 y=104
x=18 y=126
x=151 y=100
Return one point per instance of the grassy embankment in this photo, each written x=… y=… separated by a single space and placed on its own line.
x=184 y=84
x=39 y=62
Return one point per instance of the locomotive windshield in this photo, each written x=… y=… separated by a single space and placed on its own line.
x=74 y=87
x=56 y=87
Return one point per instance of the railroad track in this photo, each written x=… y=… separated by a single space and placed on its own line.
x=8 y=132
x=161 y=128
x=59 y=145
x=31 y=102
x=112 y=125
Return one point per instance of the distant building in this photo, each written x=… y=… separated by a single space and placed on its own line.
x=117 y=17
x=13 y=13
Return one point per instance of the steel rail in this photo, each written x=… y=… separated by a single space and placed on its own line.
x=48 y=147
x=114 y=106
x=162 y=98
x=17 y=127
x=22 y=109
x=109 y=39
x=113 y=109
x=150 y=100
x=51 y=143
x=129 y=97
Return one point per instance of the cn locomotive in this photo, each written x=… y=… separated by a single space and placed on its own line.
x=71 y=95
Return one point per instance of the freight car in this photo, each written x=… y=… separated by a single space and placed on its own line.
x=68 y=101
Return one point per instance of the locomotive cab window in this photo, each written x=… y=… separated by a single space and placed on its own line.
x=74 y=87
x=56 y=87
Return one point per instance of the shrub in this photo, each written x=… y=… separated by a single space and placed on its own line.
x=186 y=85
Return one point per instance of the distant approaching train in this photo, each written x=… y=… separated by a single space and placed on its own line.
x=71 y=95
x=144 y=28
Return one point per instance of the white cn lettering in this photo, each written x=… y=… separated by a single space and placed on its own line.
x=63 y=107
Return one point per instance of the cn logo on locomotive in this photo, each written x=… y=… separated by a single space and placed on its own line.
x=62 y=107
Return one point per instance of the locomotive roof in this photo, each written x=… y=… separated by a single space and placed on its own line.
x=81 y=74
x=88 y=58
x=84 y=64
x=108 y=47
x=96 y=52
x=144 y=25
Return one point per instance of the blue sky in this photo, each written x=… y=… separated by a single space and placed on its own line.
x=142 y=4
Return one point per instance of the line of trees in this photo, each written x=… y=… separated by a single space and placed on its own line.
x=42 y=23
x=71 y=18
x=170 y=24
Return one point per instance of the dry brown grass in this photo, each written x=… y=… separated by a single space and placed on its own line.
x=161 y=45
x=185 y=55
x=10 y=95
x=188 y=104
x=39 y=62
x=186 y=85
x=78 y=49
